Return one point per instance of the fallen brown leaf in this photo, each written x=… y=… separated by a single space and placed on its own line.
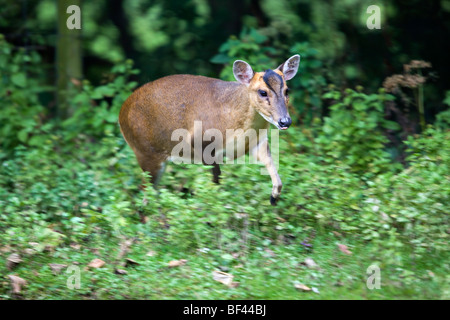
x=130 y=262
x=17 y=283
x=120 y=271
x=5 y=249
x=222 y=277
x=310 y=263
x=56 y=267
x=12 y=261
x=302 y=287
x=344 y=249
x=337 y=234
x=96 y=263
x=177 y=263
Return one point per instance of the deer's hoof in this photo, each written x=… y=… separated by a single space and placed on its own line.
x=273 y=201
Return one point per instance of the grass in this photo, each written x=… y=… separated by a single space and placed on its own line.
x=268 y=272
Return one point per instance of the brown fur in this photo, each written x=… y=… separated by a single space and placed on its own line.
x=150 y=115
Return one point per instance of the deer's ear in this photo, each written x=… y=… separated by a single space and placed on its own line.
x=290 y=67
x=242 y=72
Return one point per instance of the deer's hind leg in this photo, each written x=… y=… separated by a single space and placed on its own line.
x=216 y=173
x=153 y=163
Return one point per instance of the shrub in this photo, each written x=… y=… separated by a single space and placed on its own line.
x=354 y=131
x=97 y=107
x=22 y=112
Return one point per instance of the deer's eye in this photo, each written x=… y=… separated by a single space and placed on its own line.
x=286 y=93
x=262 y=93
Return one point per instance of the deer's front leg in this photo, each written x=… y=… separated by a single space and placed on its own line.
x=262 y=154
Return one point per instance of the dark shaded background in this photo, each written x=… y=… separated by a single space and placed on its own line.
x=167 y=37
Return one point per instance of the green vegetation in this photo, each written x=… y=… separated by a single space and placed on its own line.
x=365 y=171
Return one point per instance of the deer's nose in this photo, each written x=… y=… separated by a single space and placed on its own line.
x=285 y=122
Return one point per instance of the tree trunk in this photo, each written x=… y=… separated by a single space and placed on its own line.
x=68 y=58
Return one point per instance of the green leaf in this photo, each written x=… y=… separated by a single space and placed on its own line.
x=22 y=135
x=359 y=105
x=103 y=91
x=447 y=98
x=220 y=59
x=37 y=140
x=259 y=38
x=391 y=125
x=19 y=79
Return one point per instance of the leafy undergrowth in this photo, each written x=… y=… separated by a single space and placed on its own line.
x=70 y=208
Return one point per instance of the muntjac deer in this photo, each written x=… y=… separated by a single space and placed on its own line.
x=153 y=112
